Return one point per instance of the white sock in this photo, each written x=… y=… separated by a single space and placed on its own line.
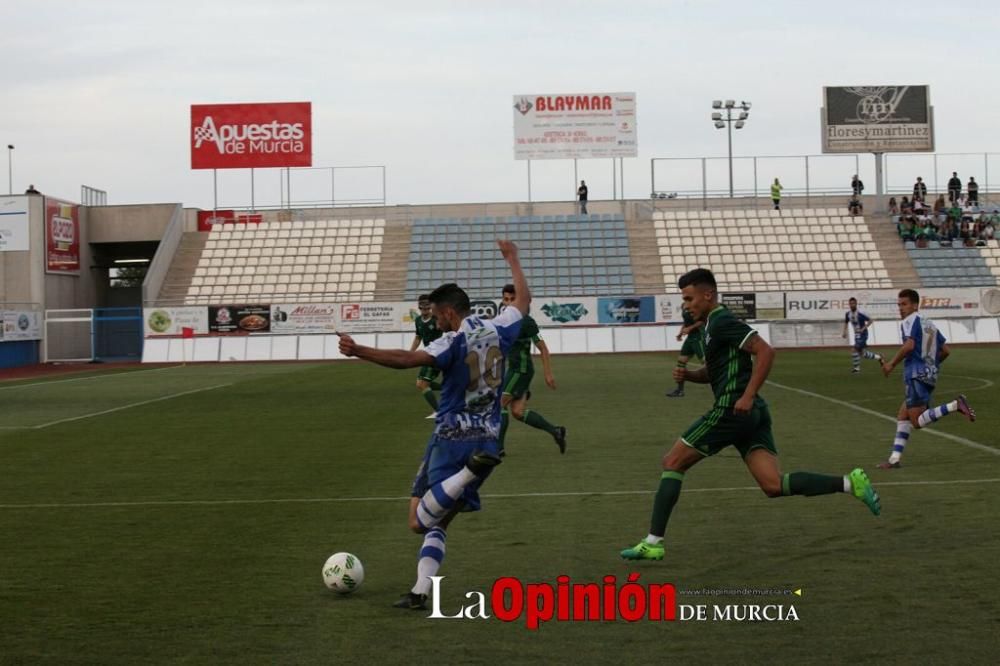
x=652 y=539
x=431 y=556
x=848 y=486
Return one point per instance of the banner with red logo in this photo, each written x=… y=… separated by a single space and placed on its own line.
x=244 y=136
x=62 y=237
x=209 y=218
x=577 y=125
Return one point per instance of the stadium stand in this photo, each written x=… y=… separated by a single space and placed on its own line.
x=306 y=261
x=576 y=255
x=942 y=266
x=772 y=250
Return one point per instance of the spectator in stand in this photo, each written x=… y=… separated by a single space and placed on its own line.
x=973 y=188
x=988 y=231
x=919 y=190
x=947 y=233
x=893 y=206
x=918 y=207
x=31 y=190
x=905 y=228
x=954 y=187
x=905 y=207
x=581 y=195
x=776 y=194
x=854 y=206
x=955 y=213
x=939 y=206
x=857 y=187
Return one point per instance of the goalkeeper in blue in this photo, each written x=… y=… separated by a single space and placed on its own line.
x=464 y=448
x=924 y=350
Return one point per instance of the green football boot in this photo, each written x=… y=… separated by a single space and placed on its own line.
x=643 y=551
x=864 y=491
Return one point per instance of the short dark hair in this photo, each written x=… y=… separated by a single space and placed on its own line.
x=852 y=299
x=698 y=277
x=508 y=289
x=910 y=294
x=452 y=295
x=423 y=298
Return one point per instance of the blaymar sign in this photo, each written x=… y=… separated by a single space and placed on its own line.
x=245 y=136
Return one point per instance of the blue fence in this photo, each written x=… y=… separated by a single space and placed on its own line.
x=117 y=334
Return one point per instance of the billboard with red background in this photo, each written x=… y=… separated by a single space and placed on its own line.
x=62 y=237
x=244 y=136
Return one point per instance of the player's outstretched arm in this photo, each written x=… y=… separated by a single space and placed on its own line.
x=699 y=376
x=416 y=343
x=390 y=358
x=763 y=360
x=522 y=298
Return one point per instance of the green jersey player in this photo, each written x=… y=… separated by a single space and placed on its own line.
x=427 y=332
x=518 y=376
x=737 y=362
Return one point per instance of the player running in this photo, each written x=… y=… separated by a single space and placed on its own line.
x=924 y=350
x=427 y=332
x=464 y=448
x=739 y=417
x=693 y=346
x=860 y=322
x=517 y=379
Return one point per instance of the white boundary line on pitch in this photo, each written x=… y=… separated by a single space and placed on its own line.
x=83 y=379
x=114 y=409
x=343 y=500
x=947 y=435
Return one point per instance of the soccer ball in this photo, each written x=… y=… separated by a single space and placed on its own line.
x=343 y=573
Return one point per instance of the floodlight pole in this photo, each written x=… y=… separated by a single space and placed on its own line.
x=10 y=168
x=729 y=127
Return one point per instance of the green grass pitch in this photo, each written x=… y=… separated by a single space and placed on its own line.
x=183 y=514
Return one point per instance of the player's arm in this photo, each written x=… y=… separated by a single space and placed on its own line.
x=699 y=376
x=416 y=343
x=844 y=333
x=763 y=360
x=943 y=353
x=522 y=297
x=390 y=358
x=887 y=366
x=543 y=349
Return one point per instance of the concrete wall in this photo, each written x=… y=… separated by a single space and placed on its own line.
x=125 y=224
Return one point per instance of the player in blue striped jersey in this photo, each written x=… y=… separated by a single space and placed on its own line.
x=924 y=350
x=860 y=323
x=464 y=448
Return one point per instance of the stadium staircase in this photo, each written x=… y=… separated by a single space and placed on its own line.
x=898 y=264
x=182 y=267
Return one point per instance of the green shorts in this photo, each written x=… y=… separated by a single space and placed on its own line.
x=693 y=347
x=720 y=428
x=428 y=374
x=516 y=383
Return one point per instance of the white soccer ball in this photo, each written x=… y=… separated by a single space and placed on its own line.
x=343 y=573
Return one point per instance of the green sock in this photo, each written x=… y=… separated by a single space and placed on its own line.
x=435 y=386
x=431 y=400
x=809 y=484
x=536 y=420
x=666 y=497
x=504 y=422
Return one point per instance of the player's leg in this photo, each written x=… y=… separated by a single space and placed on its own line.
x=934 y=414
x=856 y=357
x=505 y=400
x=429 y=558
x=682 y=362
x=455 y=470
x=676 y=463
x=424 y=379
x=903 y=429
x=518 y=389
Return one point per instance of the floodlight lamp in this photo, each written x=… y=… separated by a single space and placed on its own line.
x=10 y=146
x=730 y=103
x=746 y=105
x=744 y=115
x=740 y=124
x=716 y=116
x=719 y=124
x=717 y=104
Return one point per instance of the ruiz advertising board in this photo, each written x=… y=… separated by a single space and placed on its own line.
x=880 y=303
x=877 y=119
x=62 y=237
x=575 y=125
x=244 y=136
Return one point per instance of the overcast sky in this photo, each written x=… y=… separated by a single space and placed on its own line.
x=99 y=93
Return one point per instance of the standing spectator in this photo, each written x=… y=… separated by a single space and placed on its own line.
x=893 y=206
x=776 y=194
x=854 y=206
x=31 y=190
x=919 y=189
x=581 y=194
x=954 y=187
x=973 y=188
x=857 y=187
